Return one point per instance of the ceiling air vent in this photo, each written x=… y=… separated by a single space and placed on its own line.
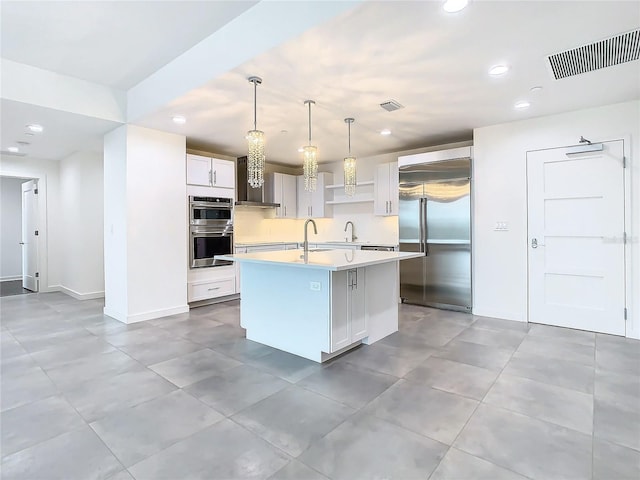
x=391 y=105
x=605 y=53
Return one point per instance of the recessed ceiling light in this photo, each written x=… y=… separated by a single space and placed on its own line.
x=385 y=132
x=13 y=149
x=453 y=6
x=179 y=119
x=497 y=70
x=35 y=128
x=284 y=131
x=535 y=89
x=522 y=105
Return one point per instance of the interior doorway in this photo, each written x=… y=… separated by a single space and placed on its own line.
x=576 y=237
x=12 y=224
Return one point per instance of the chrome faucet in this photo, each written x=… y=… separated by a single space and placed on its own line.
x=306 y=240
x=353 y=237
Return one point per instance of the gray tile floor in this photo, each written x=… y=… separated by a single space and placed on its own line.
x=450 y=396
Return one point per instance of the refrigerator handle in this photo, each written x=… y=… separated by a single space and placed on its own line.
x=423 y=218
x=423 y=226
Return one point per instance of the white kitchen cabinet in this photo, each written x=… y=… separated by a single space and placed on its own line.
x=385 y=195
x=210 y=172
x=312 y=204
x=211 y=283
x=282 y=188
x=348 y=313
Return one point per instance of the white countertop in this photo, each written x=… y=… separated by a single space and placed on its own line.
x=319 y=242
x=333 y=260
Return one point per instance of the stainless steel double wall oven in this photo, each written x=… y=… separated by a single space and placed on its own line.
x=210 y=230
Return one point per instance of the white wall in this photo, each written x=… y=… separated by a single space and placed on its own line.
x=10 y=228
x=50 y=239
x=500 y=258
x=115 y=223
x=146 y=249
x=81 y=200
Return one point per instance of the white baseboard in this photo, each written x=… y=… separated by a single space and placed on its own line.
x=141 y=317
x=11 y=278
x=81 y=296
x=501 y=314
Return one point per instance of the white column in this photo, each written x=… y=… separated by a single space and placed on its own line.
x=145 y=224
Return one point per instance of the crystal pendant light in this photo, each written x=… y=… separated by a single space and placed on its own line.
x=310 y=166
x=255 y=143
x=349 y=166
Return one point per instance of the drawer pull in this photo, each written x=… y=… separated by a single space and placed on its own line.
x=211 y=289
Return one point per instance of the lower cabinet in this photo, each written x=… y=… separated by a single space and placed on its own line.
x=209 y=283
x=348 y=311
x=205 y=290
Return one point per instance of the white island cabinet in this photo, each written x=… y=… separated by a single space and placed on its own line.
x=320 y=304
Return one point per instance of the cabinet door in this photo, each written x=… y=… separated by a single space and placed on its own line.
x=304 y=199
x=357 y=308
x=393 y=188
x=319 y=209
x=340 y=290
x=273 y=183
x=198 y=170
x=381 y=190
x=289 y=195
x=223 y=173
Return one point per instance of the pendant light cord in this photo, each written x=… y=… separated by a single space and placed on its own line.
x=309 y=123
x=349 y=124
x=255 y=110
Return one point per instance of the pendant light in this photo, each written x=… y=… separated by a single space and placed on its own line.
x=349 y=166
x=255 y=143
x=310 y=166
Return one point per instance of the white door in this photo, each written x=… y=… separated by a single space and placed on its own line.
x=223 y=173
x=198 y=170
x=357 y=307
x=381 y=190
x=29 y=238
x=304 y=198
x=575 y=235
x=289 y=196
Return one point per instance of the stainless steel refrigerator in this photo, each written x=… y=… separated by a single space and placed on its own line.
x=435 y=219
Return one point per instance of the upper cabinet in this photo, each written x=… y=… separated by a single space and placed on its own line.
x=385 y=197
x=210 y=172
x=282 y=188
x=312 y=204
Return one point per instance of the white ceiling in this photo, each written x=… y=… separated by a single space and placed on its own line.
x=114 y=43
x=433 y=63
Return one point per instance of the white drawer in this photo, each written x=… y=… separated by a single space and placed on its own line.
x=217 y=288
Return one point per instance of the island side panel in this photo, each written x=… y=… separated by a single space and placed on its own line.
x=280 y=309
x=382 y=296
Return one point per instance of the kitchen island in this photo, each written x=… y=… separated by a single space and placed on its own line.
x=321 y=303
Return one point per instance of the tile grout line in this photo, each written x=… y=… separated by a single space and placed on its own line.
x=480 y=402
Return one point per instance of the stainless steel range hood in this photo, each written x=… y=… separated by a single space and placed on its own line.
x=248 y=196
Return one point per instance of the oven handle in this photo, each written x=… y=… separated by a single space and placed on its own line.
x=220 y=206
x=214 y=233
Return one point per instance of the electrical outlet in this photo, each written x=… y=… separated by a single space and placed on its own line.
x=315 y=286
x=501 y=226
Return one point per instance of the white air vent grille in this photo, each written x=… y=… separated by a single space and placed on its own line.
x=391 y=105
x=605 y=53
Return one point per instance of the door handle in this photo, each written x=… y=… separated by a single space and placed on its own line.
x=215 y=177
x=535 y=244
x=21 y=243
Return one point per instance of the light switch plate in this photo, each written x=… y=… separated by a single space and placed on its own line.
x=501 y=226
